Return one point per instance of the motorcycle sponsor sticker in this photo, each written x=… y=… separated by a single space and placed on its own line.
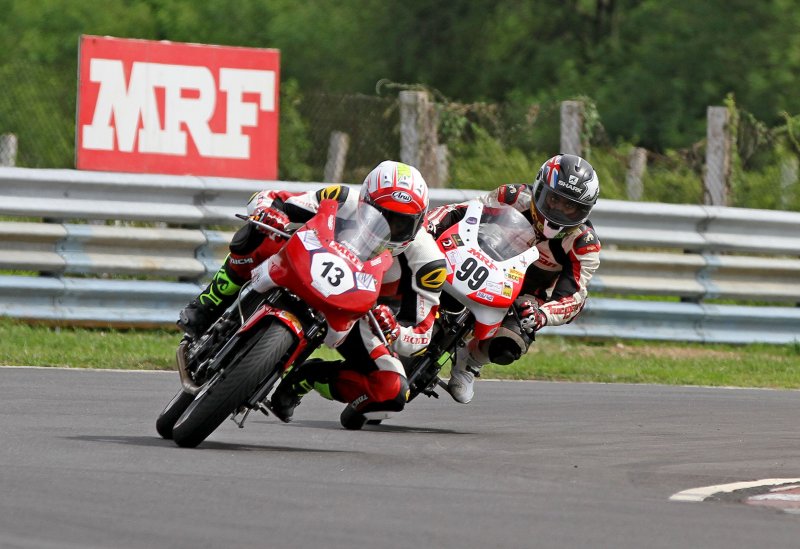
x=310 y=240
x=347 y=253
x=457 y=239
x=494 y=287
x=453 y=258
x=508 y=290
x=471 y=220
x=514 y=275
x=483 y=258
x=365 y=281
x=484 y=296
x=173 y=108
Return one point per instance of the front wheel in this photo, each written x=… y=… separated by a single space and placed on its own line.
x=225 y=393
x=174 y=410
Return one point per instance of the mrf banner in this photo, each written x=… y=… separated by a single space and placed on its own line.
x=172 y=108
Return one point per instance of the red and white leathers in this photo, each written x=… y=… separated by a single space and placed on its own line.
x=558 y=281
x=411 y=286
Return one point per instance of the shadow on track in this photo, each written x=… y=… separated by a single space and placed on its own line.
x=206 y=445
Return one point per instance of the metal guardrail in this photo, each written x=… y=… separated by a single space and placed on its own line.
x=692 y=252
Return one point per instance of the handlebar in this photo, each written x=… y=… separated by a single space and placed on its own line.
x=264 y=226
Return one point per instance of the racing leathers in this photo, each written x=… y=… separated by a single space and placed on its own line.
x=557 y=282
x=371 y=376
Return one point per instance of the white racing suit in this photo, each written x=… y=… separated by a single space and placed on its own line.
x=558 y=280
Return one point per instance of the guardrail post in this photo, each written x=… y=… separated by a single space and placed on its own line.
x=419 y=137
x=571 y=127
x=337 y=156
x=8 y=150
x=637 y=165
x=719 y=144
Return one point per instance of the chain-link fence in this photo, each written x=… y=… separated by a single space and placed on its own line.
x=371 y=123
x=37 y=106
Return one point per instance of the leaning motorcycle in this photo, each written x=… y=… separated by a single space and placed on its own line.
x=487 y=254
x=310 y=293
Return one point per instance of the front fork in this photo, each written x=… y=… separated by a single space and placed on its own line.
x=309 y=334
x=451 y=337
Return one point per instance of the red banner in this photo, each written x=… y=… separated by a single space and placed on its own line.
x=166 y=107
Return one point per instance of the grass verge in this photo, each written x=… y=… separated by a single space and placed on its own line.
x=551 y=358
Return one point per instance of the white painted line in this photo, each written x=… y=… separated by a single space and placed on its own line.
x=699 y=494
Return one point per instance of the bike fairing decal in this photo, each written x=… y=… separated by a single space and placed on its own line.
x=310 y=240
x=330 y=274
x=484 y=296
x=494 y=288
x=365 y=281
x=515 y=275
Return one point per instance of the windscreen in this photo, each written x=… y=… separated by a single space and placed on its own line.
x=363 y=230
x=504 y=232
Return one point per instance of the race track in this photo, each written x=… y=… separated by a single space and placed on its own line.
x=527 y=464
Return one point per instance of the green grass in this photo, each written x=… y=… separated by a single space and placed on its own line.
x=551 y=358
x=33 y=345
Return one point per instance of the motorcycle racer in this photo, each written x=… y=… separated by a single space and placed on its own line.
x=554 y=292
x=371 y=376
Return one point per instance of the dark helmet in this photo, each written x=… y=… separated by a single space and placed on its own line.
x=564 y=193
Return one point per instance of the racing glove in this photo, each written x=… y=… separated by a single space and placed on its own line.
x=273 y=218
x=532 y=319
x=387 y=323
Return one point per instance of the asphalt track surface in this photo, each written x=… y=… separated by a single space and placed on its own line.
x=527 y=464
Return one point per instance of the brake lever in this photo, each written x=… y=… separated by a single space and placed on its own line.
x=262 y=225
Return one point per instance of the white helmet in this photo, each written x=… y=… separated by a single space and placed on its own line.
x=400 y=193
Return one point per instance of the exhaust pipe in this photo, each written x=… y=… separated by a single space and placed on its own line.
x=186 y=380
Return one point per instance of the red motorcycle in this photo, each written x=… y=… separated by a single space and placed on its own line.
x=310 y=293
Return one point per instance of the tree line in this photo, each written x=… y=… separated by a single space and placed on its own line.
x=650 y=67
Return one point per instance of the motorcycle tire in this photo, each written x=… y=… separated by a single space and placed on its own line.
x=224 y=393
x=174 y=410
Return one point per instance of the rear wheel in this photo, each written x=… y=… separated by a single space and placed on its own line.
x=173 y=411
x=225 y=393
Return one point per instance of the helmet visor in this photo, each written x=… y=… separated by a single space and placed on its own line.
x=560 y=209
x=402 y=226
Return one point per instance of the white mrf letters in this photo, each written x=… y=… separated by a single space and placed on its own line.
x=190 y=99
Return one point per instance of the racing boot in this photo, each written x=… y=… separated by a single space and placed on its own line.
x=296 y=384
x=206 y=308
x=462 y=376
